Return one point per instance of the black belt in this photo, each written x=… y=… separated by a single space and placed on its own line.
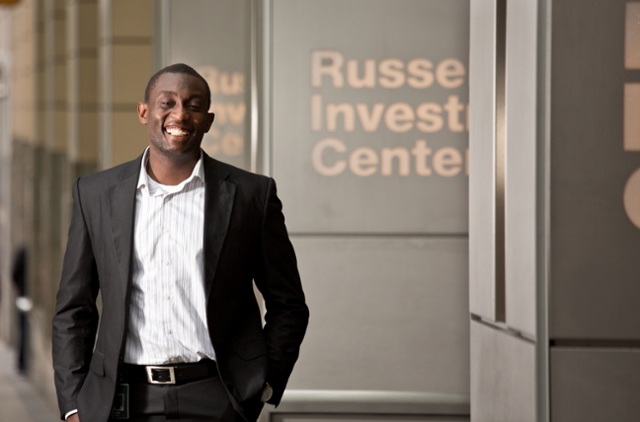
x=170 y=374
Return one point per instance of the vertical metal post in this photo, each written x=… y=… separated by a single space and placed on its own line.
x=543 y=192
x=162 y=31
x=254 y=86
x=500 y=151
x=264 y=83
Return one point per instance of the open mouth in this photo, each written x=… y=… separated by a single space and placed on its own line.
x=176 y=131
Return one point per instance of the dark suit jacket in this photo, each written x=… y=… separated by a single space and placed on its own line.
x=245 y=239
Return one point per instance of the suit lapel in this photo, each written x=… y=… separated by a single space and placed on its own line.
x=122 y=199
x=219 y=195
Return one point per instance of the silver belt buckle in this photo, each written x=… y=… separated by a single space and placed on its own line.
x=172 y=374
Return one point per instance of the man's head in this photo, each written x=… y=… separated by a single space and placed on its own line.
x=176 y=68
x=175 y=110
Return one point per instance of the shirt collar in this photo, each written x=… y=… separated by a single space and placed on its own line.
x=143 y=179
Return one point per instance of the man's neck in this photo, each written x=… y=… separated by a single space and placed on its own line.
x=170 y=172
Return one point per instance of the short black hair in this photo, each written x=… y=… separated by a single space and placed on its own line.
x=176 y=68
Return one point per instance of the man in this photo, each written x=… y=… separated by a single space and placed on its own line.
x=173 y=240
x=23 y=303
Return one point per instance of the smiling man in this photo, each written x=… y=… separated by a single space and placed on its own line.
x=173 y=242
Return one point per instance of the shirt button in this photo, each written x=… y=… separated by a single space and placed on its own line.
x=168 y=331
x=167 y=198
x=166 y=230
x=166 y=263
x=167 y=297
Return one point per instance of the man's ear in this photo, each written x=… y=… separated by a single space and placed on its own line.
x=210 y=117
x=142 y=113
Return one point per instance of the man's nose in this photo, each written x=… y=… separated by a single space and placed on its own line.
x=180 y=112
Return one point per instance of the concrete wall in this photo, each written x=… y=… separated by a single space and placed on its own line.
x=564 y=75
x=594 y=239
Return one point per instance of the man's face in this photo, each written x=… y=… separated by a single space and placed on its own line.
x=176 y=115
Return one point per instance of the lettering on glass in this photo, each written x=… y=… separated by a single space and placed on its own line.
x=632 y=36
x=226 y=136
x=631 y=141
x=332 y=155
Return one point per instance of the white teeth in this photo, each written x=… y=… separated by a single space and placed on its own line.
x=176 y=131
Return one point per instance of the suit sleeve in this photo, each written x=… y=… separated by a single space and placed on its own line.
x=279 y=282
x=76 y=316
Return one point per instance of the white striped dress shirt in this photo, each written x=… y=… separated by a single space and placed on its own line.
x=167 y=316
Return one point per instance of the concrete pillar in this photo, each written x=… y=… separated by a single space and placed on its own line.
x=34 y=154
x=125 y=64
x=6 y=71
x=54 y=153
x=82 y=76
x=83 y=81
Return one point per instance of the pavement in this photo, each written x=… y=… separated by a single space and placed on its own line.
x=18 y=399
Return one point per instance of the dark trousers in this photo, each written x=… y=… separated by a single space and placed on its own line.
x=22 y=348
x=202 y=400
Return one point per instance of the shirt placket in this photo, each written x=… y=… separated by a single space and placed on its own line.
x=166 y=271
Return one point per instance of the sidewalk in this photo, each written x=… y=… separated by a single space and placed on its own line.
x=18 y=401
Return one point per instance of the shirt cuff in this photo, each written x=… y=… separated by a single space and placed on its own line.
x=74 y=411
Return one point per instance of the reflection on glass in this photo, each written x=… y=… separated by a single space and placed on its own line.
x=226 y=137
x=213 y=36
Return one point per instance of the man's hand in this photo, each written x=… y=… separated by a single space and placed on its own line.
x=267 y=392
x=74 y=418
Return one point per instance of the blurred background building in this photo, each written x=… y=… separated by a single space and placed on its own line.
x=460 y=181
